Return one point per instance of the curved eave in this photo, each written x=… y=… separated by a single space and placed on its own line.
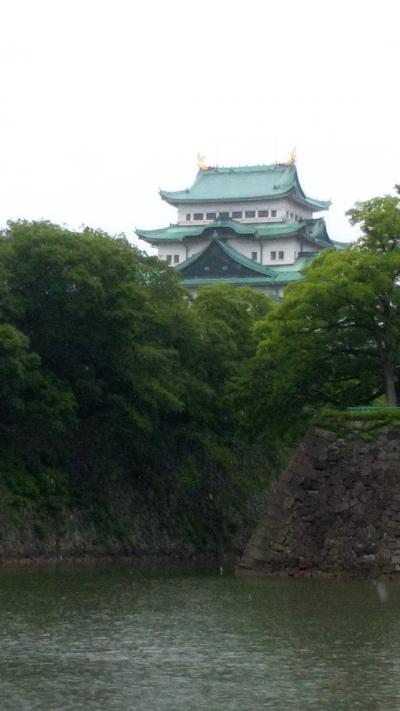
x=290 y=185
x=287 y=278
x=300 y=195
x=175 y=201
x=236 y=281
x=157 y=236
x=316 y=205
x=184 y=198
x=340 y=245
x=178 y=233
x=257 y=230
x=321 y=243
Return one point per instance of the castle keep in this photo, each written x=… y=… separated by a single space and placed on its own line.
x=246 y=226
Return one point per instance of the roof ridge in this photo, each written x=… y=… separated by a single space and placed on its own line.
x=245 y=166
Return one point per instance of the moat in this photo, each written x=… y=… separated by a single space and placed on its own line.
x=116 y=638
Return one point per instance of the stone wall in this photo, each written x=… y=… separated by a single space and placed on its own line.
x=335 y=510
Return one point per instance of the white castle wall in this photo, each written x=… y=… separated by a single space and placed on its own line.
x=172 y=249
x=286 y=209
x=291 y=248
x=184 y=250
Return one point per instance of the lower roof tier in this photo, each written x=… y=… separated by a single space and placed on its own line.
x=313 y=230
x=219 y=263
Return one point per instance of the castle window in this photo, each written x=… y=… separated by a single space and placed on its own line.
x=211 y=215
x=254 y=256
x=169 y=258
x=281 y=255
x=237 y=214
x=273 y=213
x=188 y=217
x=250 y=213
x=263 y=213
x=176 y=258
x=198 y=216
x=291 y=215
x=223 y=215
x=273 y=255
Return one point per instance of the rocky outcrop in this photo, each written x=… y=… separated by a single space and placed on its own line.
x=335 y=510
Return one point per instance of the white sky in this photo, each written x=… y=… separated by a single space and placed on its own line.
x=105 y=101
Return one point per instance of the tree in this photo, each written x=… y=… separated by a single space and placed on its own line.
x=113 y=380
x=216 y=467
x=335 y=338
x=31 y=402
x=87 y=307
x=380 y=223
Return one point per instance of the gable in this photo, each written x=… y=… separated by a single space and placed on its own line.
x=219 y=261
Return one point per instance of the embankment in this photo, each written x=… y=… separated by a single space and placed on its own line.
x=336 y=509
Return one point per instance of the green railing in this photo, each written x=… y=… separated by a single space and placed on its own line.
x=372 y=408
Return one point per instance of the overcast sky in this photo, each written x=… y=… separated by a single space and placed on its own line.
x=106 y=101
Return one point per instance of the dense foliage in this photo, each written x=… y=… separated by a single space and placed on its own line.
x=335 y=338
x=111 y=375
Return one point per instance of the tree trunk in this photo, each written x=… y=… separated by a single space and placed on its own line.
x=390 y=387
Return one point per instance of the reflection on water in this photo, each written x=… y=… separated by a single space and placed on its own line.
x=122 y=639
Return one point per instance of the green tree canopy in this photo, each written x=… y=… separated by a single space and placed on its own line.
x=335 y=338
x=111 y=372
x=91 y=310
x=380 y=223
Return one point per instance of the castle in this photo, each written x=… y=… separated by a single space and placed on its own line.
x=246 y=226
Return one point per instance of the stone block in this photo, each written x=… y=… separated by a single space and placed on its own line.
x=392 y=525
x=324 y=434
x=339 y=489
x=257 y=554
x=366 y=495
x=340 y=506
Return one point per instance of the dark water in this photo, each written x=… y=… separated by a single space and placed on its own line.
x=119 y=639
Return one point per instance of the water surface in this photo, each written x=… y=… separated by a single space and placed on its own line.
x=115 y=638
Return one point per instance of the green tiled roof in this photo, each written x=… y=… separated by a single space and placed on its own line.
x=235 y=256
x=177 y=233
x=254 y=272
x=313 y=230
x=340 y=245
x=285 y=276
x=218 y=184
